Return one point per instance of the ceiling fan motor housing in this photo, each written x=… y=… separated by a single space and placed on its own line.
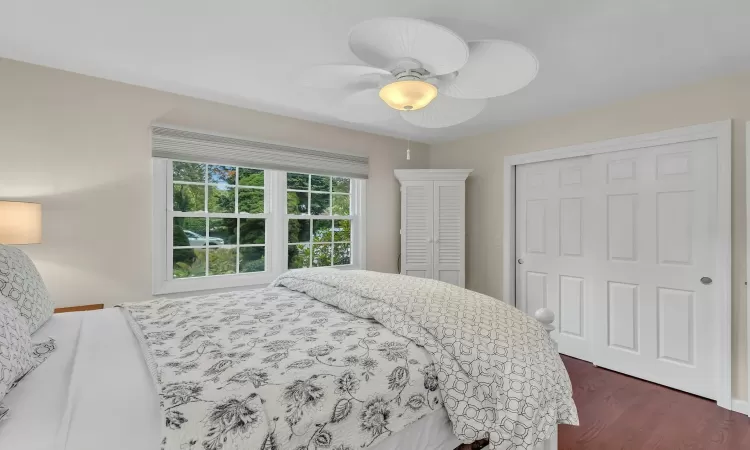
x=411 y=74
x=406 y=65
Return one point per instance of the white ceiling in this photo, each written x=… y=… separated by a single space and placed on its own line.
x=246 y=52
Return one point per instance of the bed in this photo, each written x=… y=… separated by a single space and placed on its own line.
x=100 y=388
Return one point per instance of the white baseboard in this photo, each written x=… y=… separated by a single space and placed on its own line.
x=741 y=406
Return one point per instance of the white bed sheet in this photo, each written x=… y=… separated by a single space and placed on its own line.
x=95 y=392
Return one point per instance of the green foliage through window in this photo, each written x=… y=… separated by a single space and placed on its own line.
x=220 y=221
x=212 y=245
x=322 y=239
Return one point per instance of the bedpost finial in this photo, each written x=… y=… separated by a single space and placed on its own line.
x=547 y=317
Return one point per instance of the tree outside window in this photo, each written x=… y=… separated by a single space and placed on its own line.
x=319 y=221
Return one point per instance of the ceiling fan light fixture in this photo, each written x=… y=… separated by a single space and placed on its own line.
x=408 y=95
x=408 y=60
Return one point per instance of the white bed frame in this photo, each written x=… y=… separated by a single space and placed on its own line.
x=547 y=317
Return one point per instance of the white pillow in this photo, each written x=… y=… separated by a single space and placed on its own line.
x=16 y=350
x=22 y=285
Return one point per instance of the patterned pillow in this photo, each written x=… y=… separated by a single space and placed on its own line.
x=21 y=283
x=16 y=350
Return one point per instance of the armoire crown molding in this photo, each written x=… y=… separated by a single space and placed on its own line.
x=432 y=174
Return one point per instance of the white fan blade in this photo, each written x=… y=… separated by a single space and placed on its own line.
x=343 y=76
x=444 y=111
x=494 y=68
x=384 y=41
x=365 y=106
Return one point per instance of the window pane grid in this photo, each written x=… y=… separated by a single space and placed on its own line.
x=199 y=183
x=184 y=247
x=237 y=204
x=304 y=190
x=320 y=228
x=216 y=226
x=229 y=210
x=308 y=217
x=225 y=234
x=199 y=214
x=335 y=194
x=217 y=183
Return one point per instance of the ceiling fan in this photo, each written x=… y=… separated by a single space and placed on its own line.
x=423 y=71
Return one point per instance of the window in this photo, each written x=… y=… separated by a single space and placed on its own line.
x=319 y=220
x=218 y=220
x=219 y=226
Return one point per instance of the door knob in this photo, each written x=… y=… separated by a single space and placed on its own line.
x=706 y=280
x=520 y=261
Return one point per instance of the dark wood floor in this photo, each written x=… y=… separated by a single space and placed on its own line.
x=620 y=412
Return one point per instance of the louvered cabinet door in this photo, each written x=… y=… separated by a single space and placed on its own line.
x=417 y=229
x=448 y=220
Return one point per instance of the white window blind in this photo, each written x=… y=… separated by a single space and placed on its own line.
x=171 y=143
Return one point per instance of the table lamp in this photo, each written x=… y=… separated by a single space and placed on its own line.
x=20 y=223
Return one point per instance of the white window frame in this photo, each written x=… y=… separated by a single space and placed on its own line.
x=351 y=217
x=357 y=211
x=276 y=234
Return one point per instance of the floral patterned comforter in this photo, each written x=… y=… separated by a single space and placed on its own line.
x=497 y=368
x=275 y=369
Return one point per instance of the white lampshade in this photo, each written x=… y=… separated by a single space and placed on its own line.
x=20 y=223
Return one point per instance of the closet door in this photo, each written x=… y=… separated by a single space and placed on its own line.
x=622 y=247
x=654 y=294
x=417 y=228
x=448 y=221
x=555 y=266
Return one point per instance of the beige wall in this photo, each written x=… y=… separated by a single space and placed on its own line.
x=714 y=100
x=81 y=147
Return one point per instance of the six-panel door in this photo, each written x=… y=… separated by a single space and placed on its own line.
x=617 y=245
x=554 y=247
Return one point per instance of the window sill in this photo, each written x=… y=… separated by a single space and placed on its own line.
x=254 y=280
x=183 y=285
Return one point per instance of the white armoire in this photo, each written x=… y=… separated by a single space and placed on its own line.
x=433 y=210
